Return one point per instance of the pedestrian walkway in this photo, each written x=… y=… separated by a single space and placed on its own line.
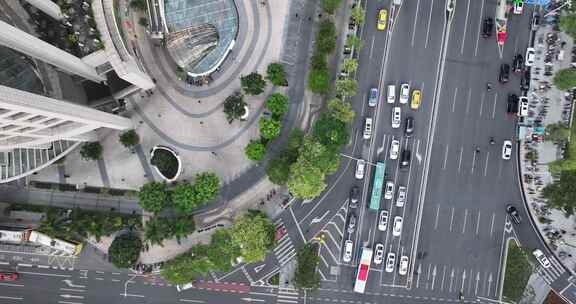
x=284 y=250
x=287 y=295
x=551 y=273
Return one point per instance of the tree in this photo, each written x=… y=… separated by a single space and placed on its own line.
x=156 y=230
x=354 y=41
x=346 y=87
x=315 y=154
x=138 y=4
x=269 y=128
x=183 y=268
x=254 y=235
x=153 y=196
x=125 y=250
x=326 y=37
x=181 y=226
x=562 y=193
x=222 y=250
x=556 y=132
x=91 y=151
x=565 y=79
x=318 y=62
x=330 y=6
x=166 y=162
x=255 y=150
x=129 y=139
x=319 y=81
x=143 y=21
x=252 y=84
x=306 y=276
x=184 y=198
x=350 y=65
x=358 y=15
x=276 y=74
x=278 y=170
x=206 y=187
x=306 y=181
x=341 y=110
x=278 y=104
x=330 y=131
x=234 y=107
x=568 y=24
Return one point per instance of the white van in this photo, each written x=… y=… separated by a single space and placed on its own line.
x=523 y=106
x=391 y=93
x=368 y=128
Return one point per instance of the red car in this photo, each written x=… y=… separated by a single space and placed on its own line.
x=280 y=232
x=8 y=276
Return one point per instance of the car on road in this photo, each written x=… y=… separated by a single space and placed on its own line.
x=409 y=127
x=348 y=246
x=397 y=228
x=378 y=253
x=513 y=213
x=512 y=104
x=403 y=265
x=535 y=20
x=541 y=257
x=390 y=261
x=525 y=81
x=523 y=106
x=382 y=19
x=504 y=75
x=487 y=27
x=373 y=97
x=518 y=7
x=416 y=99
x=383 y=220
x=404 y=93
x=391 y=94
x=405 y=159
x=530 y=56
x=354 y=196
x=394 y=149
x=518 y=63
x=389 y=190
x=507 y=150
x=360 y=168
x=181 y=287
x=368 y=128
x=351 y=222
x=396 y=117
x=8 y=276
x=401 y=196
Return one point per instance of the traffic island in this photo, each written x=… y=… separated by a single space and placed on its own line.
x=517 y=272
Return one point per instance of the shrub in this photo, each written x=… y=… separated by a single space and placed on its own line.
x=269 y=128
x=278 y=104
x=252 y=84
x=91 y=151
x=125 y=250
x=153 y=196
x=129 y=139
x=234 y=106
x=276 y=74
x=255 y=150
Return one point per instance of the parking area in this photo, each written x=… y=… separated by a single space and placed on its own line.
x=332 y=238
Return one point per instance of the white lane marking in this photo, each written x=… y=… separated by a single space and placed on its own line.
x=43 y=266
x=473 y=163
x=11 y=285
x=4 y=263
x=372 y=46
x=297 y=224
x=70 y=284
x=46 y=274
x=478 y=31
x=443 y=276
x=132 y=295
x=482 y=103
x=67 y=302
x=468 y=100
x=445 y=158
x=451 y=219
x=465 y=218
x=465 y=28
x=454 y=99
x=74 y=290
x=262 y=294
x=429 y=20
x=437 y=214
x=478 y=223
x=24 y=265
x=492 y=225
x=199 y=301
x=460 y=160
x=415 y=22
x=486 y=164
x=11 y=298
x=494 y=108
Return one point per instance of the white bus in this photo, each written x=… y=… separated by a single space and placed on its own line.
x=363 y=269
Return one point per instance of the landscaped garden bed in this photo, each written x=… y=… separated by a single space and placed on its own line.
x=166 y=162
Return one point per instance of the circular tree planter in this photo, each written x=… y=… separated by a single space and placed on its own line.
x=166 y=162
x=246 y=113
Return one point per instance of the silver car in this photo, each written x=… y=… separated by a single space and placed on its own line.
x=389 y=190
x=383 y=220
x=373 y=97
x=404 y=93
x=378 y=253
x=401 y=196
x=396 y=117
x=390 y=261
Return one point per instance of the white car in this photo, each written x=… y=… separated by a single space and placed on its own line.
x=530 y=56
x=383 y=220
x=518 y=7
x=368 y=128
x=348 y=251
x=397 y=230
x=507 y=150
x=181 y=287
x=389 y=190
x=396 y=117
x=401 y=197
x=360 y=167
x=523 y=106
x=542 y=259
x=404 y=93
x=394 y=149
x=403 y=265
x=391 y=94
x=390 y=262
x=378 y=253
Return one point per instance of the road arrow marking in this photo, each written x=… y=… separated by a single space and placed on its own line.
x=252 y=300
x=419 y=271
x=477 y=281
x=463 y=280
x=67 y=296
x=258 y=268
x=451 y=279
x=317 y=220
x=489 y=283
x=433 y=276
x=69 y=283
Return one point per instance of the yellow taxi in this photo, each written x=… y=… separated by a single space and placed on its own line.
x=382 y=19
x=416 y=99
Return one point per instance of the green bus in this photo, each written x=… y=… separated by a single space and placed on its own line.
x=377 y=186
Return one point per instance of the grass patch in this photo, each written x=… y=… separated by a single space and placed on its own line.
x=569 y=161
x=518 y=271
x=275 y=279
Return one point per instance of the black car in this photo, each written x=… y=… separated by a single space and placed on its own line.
x=525 y=81
x=487 y=27
x=504 y=73
x=354 y=196
x=518 y=63
x=405 y=159
x=512 y=105
x=513 y=213
x=409 y=126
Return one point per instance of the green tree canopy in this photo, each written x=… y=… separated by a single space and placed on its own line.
x=184 y=197
x=183 y=268
x=276 y=74
x=269 y=128
x=346 y=87
x=206 y=186
x=318 y=155
x=255 y=150
x=278 y=170
x=330 y=6
x=354 y=41
x=306 y=276
x=91 y=151
x=254 y=235
x=568 y=24
x=166 y=162
x=350 y=65
x=234 y=106
x=143 y=21
x=556 y=132
x=318 y=62
x=158 y=229
x=326 y=37
x=252 y=84
x=565 y=79
x=222 y=250
x=330 y=131
x=358 y=14
x=341 y=110
x=319 y=81
x=278 y=104
x=153 y=196
x=129 y=139
x=138 y=4
x=125 y=250
x=306 y=181
x=562 y=193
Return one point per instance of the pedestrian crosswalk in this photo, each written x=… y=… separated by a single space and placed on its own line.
x=551 y=273
x=287 y=295
x=284 y=250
